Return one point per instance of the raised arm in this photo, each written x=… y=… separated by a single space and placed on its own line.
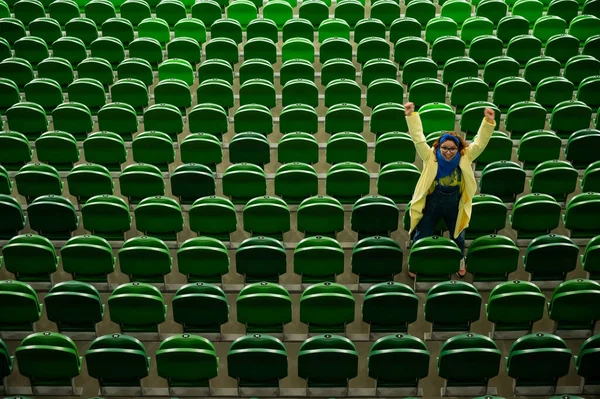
x=415 y=128
x=483 y=136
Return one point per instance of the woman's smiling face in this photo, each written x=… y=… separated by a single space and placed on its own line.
x=449 y=149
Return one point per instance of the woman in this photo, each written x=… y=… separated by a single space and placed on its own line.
x=447 y=184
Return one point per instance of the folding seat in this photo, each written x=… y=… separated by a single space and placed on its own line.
x=154 y=28
x=547 y=26
x=387 y=118
x=522 y=48
x=208 y=11
x=374 y=215
x=371 y=48
x=425 y=91
x=109 y=49
x=6 y=359
x=175 y=68
x=18 y=70
x=203 y=259
x=350 y=11
x=119 y=118
x=421 y=10
x=213 y=217
x=48 y=359
x=139 y=181
x=318 y=259
x=154 y=148
x=569 y=117
x=299 y=27
x=447 y=47
x=20 y=306
x=9 y=94
x=511 y=26
x=459 y=354
x=106 y=149
x=298 y=114
x=475 y=26
x=326 y=307
x=592 y=46
x=58 y=149
x=32 y=49
x=466 y=91
x=555 y=178
x=136 y=68
x=550 y=257
x=404 y=27
x=192 y=181
x=493 y=10
x=333 y=27
x=386 y=11
x=74 y=118
x=337 y=68
x=298 y=48
x=82 y=28
x=574 y=305
x=562 y=47
x=225 y=28
x=278 y=11
x=119 y=360
x=217 y=91
x=506 y=171
x=378 y=259
x=565 y=9
x=346 y=147
x=135 y=307
x=524 y=117
x=99 y=11
x=135 y=11
x=253 y=118
x=295 y=182
x=417 y=68
x=471 y=117
x=201 y=148
x=260 y=27
x=258 y=92
x=457 y=10
x=584 y=26
x=439 y=27
x=539 y=68
x=409 y=47
x=305 y=92
x=81 y=250
x=45 y=92
x=173 y=92
x=437 y=117
x=538 y=146
x=586 y=91
x=159 y=217
x=5 y=183
x=208 y=118
x=28 y=10
x=256 y=69
x=394 y=147
x=260 y=259
x=13 y=215
x=314 y=11
x=485 y=48
x=590 y=7
x=96 y=70
x=534 y=215
x=311 y=212
x=250 y=147
x=489 y=215
x=264 y=307
x=434 y=258
x=529 y=9
x=580 y=67
x=492 y=257
x=378 y=69
x=187 y=360
x=580 y=217
x=12 y=29
x=538 y=360
x=164 y=118
x=262 y=48
x=266 y=216
x=262 y=351
x=89 y=92
x=457 y=68
x=298 y=147
x=586 y=361
x=35 y=180
x=242 y=182
x=347 y=181
x=335 y=47
x=342 y=91
x=30 y=258
x=590 y=182
x=145 y=259
x=72 y=49
x=397 y=180
x=74 y=306
x=398 y=361
x=170 y=11
x=443 y=297
x=88 y=180
x=148 y=49
x=191 y=28
x=53 y=217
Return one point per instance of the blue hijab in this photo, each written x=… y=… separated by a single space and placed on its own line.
x=445 y=168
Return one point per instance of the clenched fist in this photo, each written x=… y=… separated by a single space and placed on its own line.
x=489 y=115
x=409 y=108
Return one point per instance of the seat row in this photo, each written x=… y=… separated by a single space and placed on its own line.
x=31 y=257
x=324 y=307
x=396 y=360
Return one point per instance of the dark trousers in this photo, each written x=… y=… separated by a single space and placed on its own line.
x=441 y=204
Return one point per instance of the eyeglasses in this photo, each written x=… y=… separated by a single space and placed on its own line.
x=449 y=149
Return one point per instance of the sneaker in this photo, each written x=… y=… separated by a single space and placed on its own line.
x=463 y=270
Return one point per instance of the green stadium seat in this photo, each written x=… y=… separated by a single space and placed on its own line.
x=586 y=90
x=488 y=215
x=260 y=259
x=145 y=259
x=242 y=182
x=9 y=94
x=550 y=257
x=409 y=47
x=207 y=11
x=350 y=11
x=258 y=92
x=538 y=146
x=584 y=27
x=475 y=26
x=572 y=306
x=20 y=306
x=135 y=307
x=397 y=181
x=510 y=90
x=297 y=48
x=387 y=117
x=192 y=181
x=5 y=357
x=346 y=147
x=418 y=68
x=590 y=183
x=515 y=306
x=208 y=118
x=262 y=28
x=53 y=216
x=261 y=48
x=201 y=148
x=100 y=11
x=437 y=117
x=584 y=363
x=155 y=28
x=191 y=296
x=378 y=68
x=333 y=27
x=266 y=216
x=97 y=69
x=45 y=92
x=555 y=177
x=448 y=295
x=314 y=11
x=592 y=46
x=28 y=10
x=5 y=183
x=539 y=68
x=159 y=217
x=106 y=216
x=466 y=91
x=485 y=48
x=312 y=220
x=298 y=97
x=148 y=49
x=378 y=259
x=262 y=352
x=254 y=118
x=71 y=49
x=496 y=11
x=89 y=92
x=278 y=11
x=458 y=67
x=298 y=147
x=547 y=26
x=500 y=67
x=589 y=259
x=74 y=306
x=569 y=117
x=74 y=118
x=219 y=91
x=170 y=11
x=18 y=70
x=12 y=214
x=58 y=149
x=438 y=27
x=175 y=68
x=434 y=258
x=523 y=117
x=566 y=9
x=457 y=10
x=375 y=215
x=135 y=11
x=12 y=29
x=326 y=307
x=119 y=117
x=562 y=47
x=225 y=28
x=522 y=48
x=394 y=147
x=213 y=217
x=318 y=259
x=82 y=28
x=421 y=10
x=371 y=48
x=139 y=181
x=335 y=47
x=579 y=217
x=492 y=258
x=580 y=67
x=48 y=359
x=534 y=215
x=299 y=27
x=264 y=307
x=347 y=181
x=295 y=182
x=119 y=360
x=118 y=28
x=386 y=11
x=426 y=91
x=164 y=118
x=30 y=258
x=174 y=92
x=35 y=180
x=106 y=149
x=506 y=171
x=88 y=180
x=192 y=28
x=341 y=91
x=203 y=259
x=108 y=48
x=32 y=49
x=553 y=90
x=336 y=68
x=186 y=360
x=404 y=27
x=256 y=68
x=249 y=147
x=529 y=9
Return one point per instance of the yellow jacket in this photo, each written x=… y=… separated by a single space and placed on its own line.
x=426 y=153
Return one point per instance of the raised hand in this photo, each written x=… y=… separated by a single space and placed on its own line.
x=489 y=115
x=409 y=108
